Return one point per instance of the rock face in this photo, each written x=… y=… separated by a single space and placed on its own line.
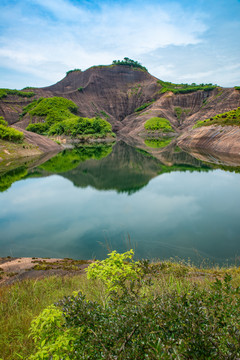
x=115 y=92
x=212 y=138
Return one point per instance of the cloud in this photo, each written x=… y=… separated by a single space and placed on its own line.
x=45 y=38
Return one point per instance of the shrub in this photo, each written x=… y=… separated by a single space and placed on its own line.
x=158 y=123
x=115 y=270
x=74 y=70
x=144 y=106
x=193 y=323
x=231 y=118
x=21 y=93
x=183 y=88
x=237 y=87
x=129 y=62
x=8 y=133
x=57 y=116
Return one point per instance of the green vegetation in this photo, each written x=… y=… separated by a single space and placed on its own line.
x=5 y=92
x=74 y=70
x=8 y=133
x=80 y=89
x=9 y=178
x=144 y=106
x=58 y=117
x=126 y=309
x=129 y=62
x=179 y=111
x=183 y=88
x=231 y=118
x=158 y=143
x=158 y=123
x=70 y=159
x=237 y=87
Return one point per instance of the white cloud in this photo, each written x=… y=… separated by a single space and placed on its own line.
x=56 y=36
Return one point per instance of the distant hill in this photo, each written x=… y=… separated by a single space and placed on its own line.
x=127 y=97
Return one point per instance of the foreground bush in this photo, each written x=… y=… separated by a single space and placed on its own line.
x=194 y=324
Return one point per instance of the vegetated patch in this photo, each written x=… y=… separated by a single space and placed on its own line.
x=80 y=89
x=158 y=123
x=183 y=88
x=5 y=92
x=135 y=90
x=231 y=118
x=179 y=111
x=74 y=70
x=129 y=62
x=12 y=176
x=237 y=87
x=145 y=310
x=57 y=116
x=69 y=159
x=158 y=143
x=8 y=133
x=144 y=106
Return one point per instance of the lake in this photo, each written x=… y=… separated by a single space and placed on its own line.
x=85 y=201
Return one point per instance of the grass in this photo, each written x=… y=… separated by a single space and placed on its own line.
x=158 y=143
x=230 y=118
x=183 y=88
x=5 y=92
x=144 y=106
x=237 y=87
x=158 y=123
x=22 y=301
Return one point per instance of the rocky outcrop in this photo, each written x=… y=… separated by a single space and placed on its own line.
x=44 y=144
x=212 y=138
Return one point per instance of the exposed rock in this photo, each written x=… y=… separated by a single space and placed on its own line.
x=212 y=138
x=114 y=92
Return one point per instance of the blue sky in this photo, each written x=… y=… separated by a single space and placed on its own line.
x=179 y=41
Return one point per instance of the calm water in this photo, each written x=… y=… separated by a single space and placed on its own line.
x=79 y=202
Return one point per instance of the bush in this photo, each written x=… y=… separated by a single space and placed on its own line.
x=6 y=92
x=158 y=123
x=196 y=323
x=8 y=133
x=129 y=62
x=183 y=88
x=57 y=116
x=74 y=70
x=144 y=106
x=231 y=118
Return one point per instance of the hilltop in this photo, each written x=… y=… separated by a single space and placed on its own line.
x=128 y=96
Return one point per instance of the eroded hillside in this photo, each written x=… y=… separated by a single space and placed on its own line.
x=127 y=97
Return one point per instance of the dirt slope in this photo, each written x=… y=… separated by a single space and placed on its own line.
x=114 y=93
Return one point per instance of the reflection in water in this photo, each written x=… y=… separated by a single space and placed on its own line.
x=158 y=143
x=123 y=168
x=191 y=210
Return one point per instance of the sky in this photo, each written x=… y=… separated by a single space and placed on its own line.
x=182 y=41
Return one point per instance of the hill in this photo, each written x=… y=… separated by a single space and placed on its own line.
x=128 y=96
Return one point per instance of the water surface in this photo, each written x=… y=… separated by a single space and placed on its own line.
x=83 y=200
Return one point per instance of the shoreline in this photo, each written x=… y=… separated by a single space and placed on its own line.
x=14 y=269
